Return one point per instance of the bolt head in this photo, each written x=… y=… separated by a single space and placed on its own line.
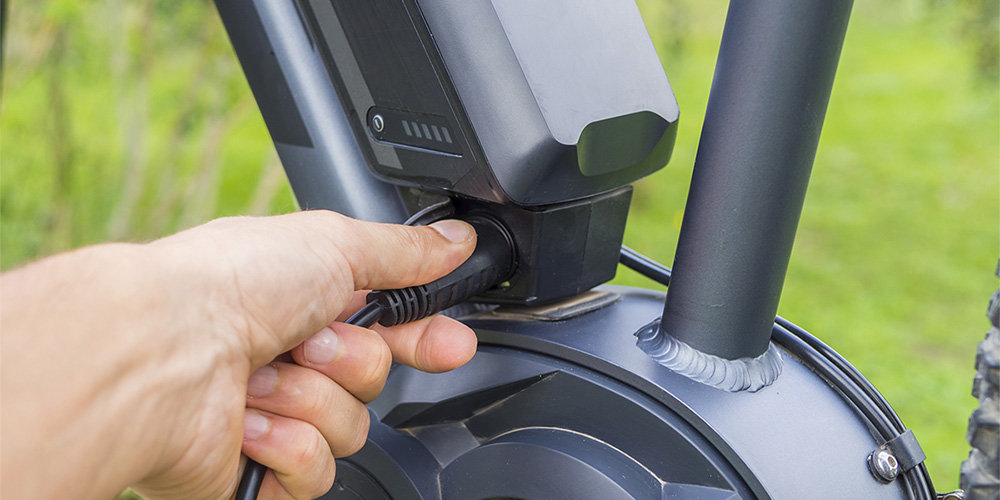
x=884 y=465
x=378 y=123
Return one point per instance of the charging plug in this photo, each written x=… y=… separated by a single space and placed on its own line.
x=491 y=263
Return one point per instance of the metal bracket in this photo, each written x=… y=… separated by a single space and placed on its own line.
x=906 y=449
x=897 y=455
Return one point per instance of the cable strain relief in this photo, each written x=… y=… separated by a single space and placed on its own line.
x=401 y=305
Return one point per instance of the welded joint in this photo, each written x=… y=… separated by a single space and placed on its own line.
x=733 y=375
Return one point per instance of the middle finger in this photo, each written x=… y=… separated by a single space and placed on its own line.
x=304 y=394
x=356 y=358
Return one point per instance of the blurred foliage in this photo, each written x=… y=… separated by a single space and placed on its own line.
x=977 y=27
x=125 y=120
x=131 y=119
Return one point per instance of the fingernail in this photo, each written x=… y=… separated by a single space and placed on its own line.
x=262 y=382
x=321 y=348
x=455 y=231
x=255 y=425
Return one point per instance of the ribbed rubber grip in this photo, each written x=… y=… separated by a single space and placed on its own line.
x=490 y=264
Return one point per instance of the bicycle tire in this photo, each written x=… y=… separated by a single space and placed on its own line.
x=980 y=473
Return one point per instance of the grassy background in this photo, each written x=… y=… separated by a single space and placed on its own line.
x=130 y=119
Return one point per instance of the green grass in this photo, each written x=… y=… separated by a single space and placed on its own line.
x=128 y=120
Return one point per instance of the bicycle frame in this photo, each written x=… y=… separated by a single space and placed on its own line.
x=560 y=401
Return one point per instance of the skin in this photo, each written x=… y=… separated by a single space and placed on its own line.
x=154 y=365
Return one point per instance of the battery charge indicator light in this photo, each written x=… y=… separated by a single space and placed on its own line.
x=422 y=131
x=430 y=132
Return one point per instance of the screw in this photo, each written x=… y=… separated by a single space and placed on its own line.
x=378 y=123
x=884 y=465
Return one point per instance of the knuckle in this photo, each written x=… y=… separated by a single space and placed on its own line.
x=319 y=483
x=352 y=436
x=329 y=476
x=315 y=467
x=377 y=370
x=319 y=403
x=323 y=482
x=416 y=239
x=421 y=243
x=319 y=488
x=360 y=437
x=310 y=452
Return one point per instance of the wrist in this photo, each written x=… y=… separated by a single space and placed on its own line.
x=93 y=358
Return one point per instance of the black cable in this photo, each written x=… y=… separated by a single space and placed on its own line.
x=650 y=268
x=366 y=316
x=491 y=263
x=431 y=213
x=838 y=379
x=253 y=477
x=804 y=346
x=842 y=381
x=918 y=477
x=253 y=473
x=843 y=365
x=843 y=376
x=644 y=266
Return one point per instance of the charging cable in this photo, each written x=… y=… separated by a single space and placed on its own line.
x=491 y=263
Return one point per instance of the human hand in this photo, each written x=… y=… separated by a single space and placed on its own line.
x=149 y=349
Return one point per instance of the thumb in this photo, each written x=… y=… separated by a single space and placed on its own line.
x=286 y=277
x=394 y=256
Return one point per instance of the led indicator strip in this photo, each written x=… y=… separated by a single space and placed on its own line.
x=418 y=130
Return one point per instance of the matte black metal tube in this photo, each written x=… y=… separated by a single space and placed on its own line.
x=769 y=96
x=304 y=115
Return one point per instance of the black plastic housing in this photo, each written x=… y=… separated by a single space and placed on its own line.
x=454 y=95
x=561 y=250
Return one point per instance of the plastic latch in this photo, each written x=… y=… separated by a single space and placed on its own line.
x=907 y=450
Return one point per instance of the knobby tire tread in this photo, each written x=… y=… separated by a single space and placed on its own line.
x=980 y=475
